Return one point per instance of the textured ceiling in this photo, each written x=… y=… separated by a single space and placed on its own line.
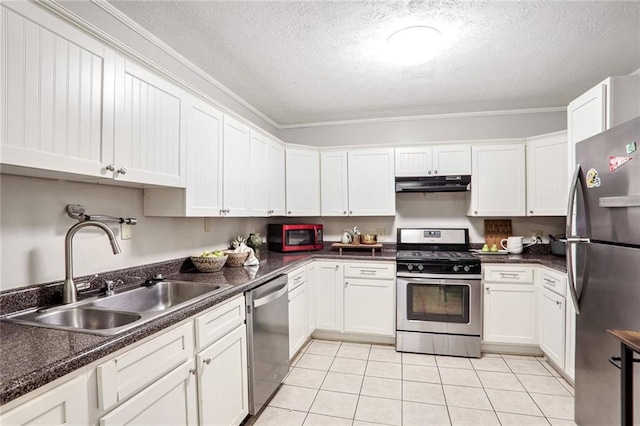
x=316 y=61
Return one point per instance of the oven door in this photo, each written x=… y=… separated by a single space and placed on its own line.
x=439 y=305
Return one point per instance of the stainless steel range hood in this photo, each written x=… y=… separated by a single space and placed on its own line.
x=454 y=183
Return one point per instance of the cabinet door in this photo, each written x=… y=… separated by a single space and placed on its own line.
x=369 y=306
x=235 y=192
x=311 y=299
x=498 y=180
x=223 y=381
x=297 y=318
x=58 y=94
x=150 y=130
x=329 y=279
x=371 y=183
x=258 y=175
x=451 y=160
x=67 y=404
x=204 y=159
x=510 y=314
x=334 y=183
x=277 y=179
x=169 y=401
x=303 y=182
x=553 y=326
x=586 y=117
x=570 y=347
x=413 y=161
x=547 y=175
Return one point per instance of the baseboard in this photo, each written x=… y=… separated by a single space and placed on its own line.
x=511 y=349
x=356 y=338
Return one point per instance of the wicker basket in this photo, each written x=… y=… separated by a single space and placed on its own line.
x=209 y=264
x=236 y=259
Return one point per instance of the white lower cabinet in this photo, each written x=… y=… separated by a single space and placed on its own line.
x=169 y=401
x=297 y=318
x=311 y=298
x=510 y=314
x=329 y=279
x=553 y=326
x=223 y=380
x=570 y=340
x=369 y=306
x=66 y=404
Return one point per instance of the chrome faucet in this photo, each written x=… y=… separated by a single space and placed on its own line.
x=69 y=290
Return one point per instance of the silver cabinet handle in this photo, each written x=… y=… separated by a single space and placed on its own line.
x=207 y=361
x=192 y=371
x=488 y=290
x=111 y=168
x=122 y=171
x=350 y=211
x=531 y=211
x=344 y=212
x=509 y=275
x=289 y=212
x=337 y=266
x=558 y=302
x=435 y=172
x=429 y=172
x=368 y=272
x=550 y=281
x=475 y=212
x=346 y=283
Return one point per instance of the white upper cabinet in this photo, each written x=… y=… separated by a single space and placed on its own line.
x=371 y=182
x=277 y=179
x=547 y=177
x=236 y=147
x=150 y=130
x=334 y=183
x=303 y=181
x=58 y=94
x=259 y=174
x=498 y=180
x=437 y=160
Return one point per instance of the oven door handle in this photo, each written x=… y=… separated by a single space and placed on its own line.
x=432 y=278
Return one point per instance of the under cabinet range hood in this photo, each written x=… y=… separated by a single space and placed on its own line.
x=454 y=183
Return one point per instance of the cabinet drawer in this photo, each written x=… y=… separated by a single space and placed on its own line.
x=127 y=374
x=296 y=278
x=220 y=321
x=508 y=274
x=370 y=270
x=554 y=281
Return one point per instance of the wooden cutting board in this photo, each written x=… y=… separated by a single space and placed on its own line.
x=495 y=230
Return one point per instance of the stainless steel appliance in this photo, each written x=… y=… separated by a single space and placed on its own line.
x=268 y=340
x=455 y=183
x=294 y=237
x=438 y=293
x=606 y=254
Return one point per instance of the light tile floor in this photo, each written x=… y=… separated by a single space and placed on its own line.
x=339 y=383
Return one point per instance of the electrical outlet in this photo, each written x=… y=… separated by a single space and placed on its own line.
x=207 y=224
x=125 y=231
x=535 y=235
x=381 y=232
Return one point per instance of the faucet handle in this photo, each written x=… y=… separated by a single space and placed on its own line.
x=86 y=285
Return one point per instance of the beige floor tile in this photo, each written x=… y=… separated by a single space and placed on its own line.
x=379 y=410
x=272 y=416
x=293 y=398
x=513 y=402
x=385 y=355
x=526 y=366
x=429 y=393
x=460 y=377
x=416 y=414
x=335 y=404
x=463 y=397
x=318 y=347
x=349 y=366
x=543 y=384
x=305 y=378
x=560 y=422
x=360 y=423
x=320 y=420
x=498 y=380
x=568 y=386
x=419 y=373
x=509 y=419
x=315 y=362
x=557 y=407
x=382 y=388
x=490 y=364
x=306 y=346
x=386 y=370
x=453 y=362
x=341 y=382
x=354 y=350
x=550 y=368
x=470 y=417
x=419 y=359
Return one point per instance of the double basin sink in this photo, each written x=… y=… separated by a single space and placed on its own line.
x=109 y=315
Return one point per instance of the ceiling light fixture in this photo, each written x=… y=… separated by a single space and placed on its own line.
x=414 y=45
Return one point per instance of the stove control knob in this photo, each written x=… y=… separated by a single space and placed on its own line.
x=456 y=268
x=410 y=267
x=420 y=267
x=466 y=268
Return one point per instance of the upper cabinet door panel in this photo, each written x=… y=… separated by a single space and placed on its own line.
x=58 y=94
x=277 y=179
x=334 y=183
x=149 y=127
x=451 y=160
x=547 y=183
x=413 y=161
x=259 y=175
x=237 y=141
x=371 y=183
x=303 y=182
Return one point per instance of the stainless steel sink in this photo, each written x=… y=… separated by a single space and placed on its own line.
x=109 y=315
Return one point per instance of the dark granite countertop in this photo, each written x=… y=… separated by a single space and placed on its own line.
x=31 y=357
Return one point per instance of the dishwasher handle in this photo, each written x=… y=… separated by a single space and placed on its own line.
x=270 y=297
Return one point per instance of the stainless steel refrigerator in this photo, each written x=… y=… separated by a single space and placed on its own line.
x=606 y=261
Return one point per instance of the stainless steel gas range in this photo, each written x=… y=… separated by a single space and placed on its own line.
x=438 y=293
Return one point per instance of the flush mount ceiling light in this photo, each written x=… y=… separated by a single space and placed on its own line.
x=414 y=45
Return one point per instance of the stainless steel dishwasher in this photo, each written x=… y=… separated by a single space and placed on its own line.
x=268 y=340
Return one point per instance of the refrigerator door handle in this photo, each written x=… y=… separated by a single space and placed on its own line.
x=573 y=190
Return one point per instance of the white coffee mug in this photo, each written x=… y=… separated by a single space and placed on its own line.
x=513 y=244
